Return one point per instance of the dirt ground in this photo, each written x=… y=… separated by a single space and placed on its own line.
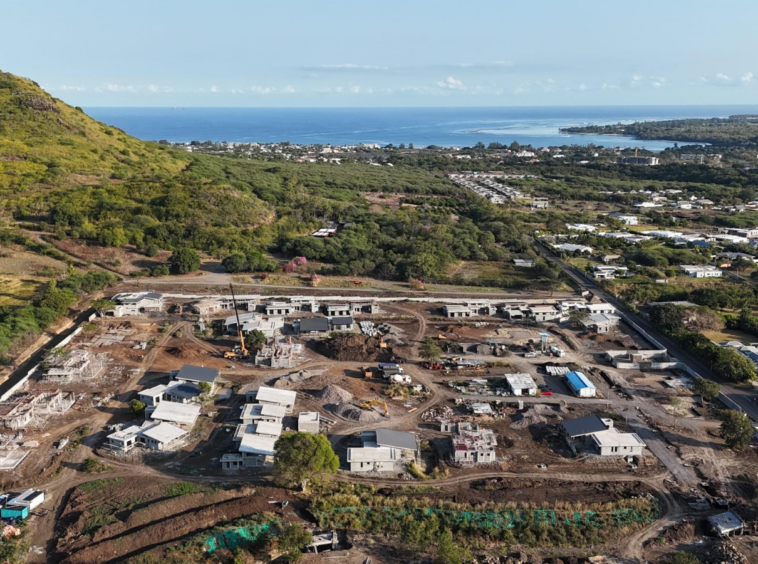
x=113 y=520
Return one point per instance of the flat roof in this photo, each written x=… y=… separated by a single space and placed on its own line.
x=309 y=416
x=257 y=444
x=267 y=428
x=232 y=319
x=176 y=412
x=125 y=432
x=263 y=410
x=584 y=426
x=579 y=381
x=274 y=395
x=314 y=324
x=163 y=432
x=154 y=391
x=611 y=437
x=342 y=320
x=371 y=454
x=725 y=523
x=520 y=381
x=197 y=374
x=396 y=439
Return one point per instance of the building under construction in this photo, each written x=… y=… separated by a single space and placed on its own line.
x=280 y=353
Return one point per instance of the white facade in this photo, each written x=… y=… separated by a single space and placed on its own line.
x=698 y=271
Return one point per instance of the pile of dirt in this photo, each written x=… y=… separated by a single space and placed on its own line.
x=353 y=413
x=680 y=533
x=535 y=415
x=334 y=394
x=295 y=378
x=354 y=347
x=186 y=352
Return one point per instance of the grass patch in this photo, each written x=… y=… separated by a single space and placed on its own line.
x=97 y=485
x=94 y=466
x=177 y=489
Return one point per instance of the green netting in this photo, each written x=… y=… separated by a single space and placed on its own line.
x=239 y=536
x=507 y=519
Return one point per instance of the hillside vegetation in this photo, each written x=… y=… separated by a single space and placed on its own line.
x=733 y=130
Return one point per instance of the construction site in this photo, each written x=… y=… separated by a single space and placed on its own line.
x=510 y=410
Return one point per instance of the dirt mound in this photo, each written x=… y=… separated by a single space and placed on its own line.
x=536 y=415
x=186 y=352
x=354 y=413
x=295 y=378
x=354 y=347
x=334 y=394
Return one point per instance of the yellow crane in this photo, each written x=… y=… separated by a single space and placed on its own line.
x=371 y=403
x=243 y=352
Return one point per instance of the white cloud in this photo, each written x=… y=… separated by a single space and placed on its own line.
x=66 y=88
x=451 y=83
x=721 y=76
x=214 y=89
x=152 y=88
x=355 y=89
x=120 y=88
x=582 y=87
x=289 y=89
x=344 y=67
x=523 y=88
x=609 y=86
x=747 y=77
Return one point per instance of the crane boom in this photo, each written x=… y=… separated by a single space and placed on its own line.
x=243 y=349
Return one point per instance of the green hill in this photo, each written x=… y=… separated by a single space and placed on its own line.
x=44 y=142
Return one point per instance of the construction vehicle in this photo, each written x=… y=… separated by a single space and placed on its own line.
x=371 y=403
x=368 y=372
x=240 y=351
x=432 y=365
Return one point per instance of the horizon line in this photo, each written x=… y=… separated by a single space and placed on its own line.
x=755 y=105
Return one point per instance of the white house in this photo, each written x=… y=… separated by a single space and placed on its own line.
x=572 y=248
x=521 y=384
x=257 y=412
x=183 y=415
x=701 y=271
x=273 y=396
x=309 y=422
x=135 y=303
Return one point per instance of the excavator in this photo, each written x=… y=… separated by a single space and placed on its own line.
x=371 y=403
x=241 y=351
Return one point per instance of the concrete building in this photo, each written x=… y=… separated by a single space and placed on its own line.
x=701 y=271
x=152 y=396
x=182 y=392
x=580 y=385
x=521 y=384
x=473 y=445
x=309 y=422
x=341 y=323
x=135 y=304
x=524 y=263
x=625 y=219
x=30 y=498
x=572 y=248
x=601 y=322
x=726 y=524
x=337 y=309
x=645 y=161
x=542 y=313
x=182 y=415
x=469 y=309
x=153 y=436
x=383 y=450
x=279 y=308
x=273 y=396
x=195 y=375
x=601 y=436
x=257 y=412
x=312 y=326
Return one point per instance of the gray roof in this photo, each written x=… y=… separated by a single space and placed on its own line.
x=396 y=439
x=314 y=324
x=342 y=320
x=584 y=426
x=197 y=374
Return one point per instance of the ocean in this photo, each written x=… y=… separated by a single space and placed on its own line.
x=447 y=127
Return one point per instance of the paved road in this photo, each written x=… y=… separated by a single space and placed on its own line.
x=743 y=397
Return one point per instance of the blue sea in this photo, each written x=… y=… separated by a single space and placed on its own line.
x=448 y=127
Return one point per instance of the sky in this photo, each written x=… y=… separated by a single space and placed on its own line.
x=236 y=53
